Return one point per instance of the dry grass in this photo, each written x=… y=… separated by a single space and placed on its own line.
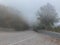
x=54 y=40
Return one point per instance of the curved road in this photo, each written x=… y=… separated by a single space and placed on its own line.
x=26 y=38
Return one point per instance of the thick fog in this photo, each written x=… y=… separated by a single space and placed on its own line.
x=29 y=8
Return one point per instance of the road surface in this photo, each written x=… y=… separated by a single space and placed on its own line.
x=27 y=38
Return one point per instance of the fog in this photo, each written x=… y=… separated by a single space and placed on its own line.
x=29 y=8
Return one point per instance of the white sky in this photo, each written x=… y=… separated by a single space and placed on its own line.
x=30 y=7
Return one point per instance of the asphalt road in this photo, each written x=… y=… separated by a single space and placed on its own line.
x=26 y=38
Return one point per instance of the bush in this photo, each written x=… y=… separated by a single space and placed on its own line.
x=11 y=18
x=57 y=29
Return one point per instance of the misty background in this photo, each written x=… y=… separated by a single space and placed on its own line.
x=29 y=8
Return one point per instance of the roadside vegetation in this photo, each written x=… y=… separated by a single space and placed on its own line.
x=12 y=18
x=56 y=29
x=47 y=17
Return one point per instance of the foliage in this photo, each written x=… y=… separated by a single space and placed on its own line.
x=56 y=29
x=47 y=16
x=11 y=18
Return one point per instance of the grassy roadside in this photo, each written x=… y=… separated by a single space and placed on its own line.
x=56 y=29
